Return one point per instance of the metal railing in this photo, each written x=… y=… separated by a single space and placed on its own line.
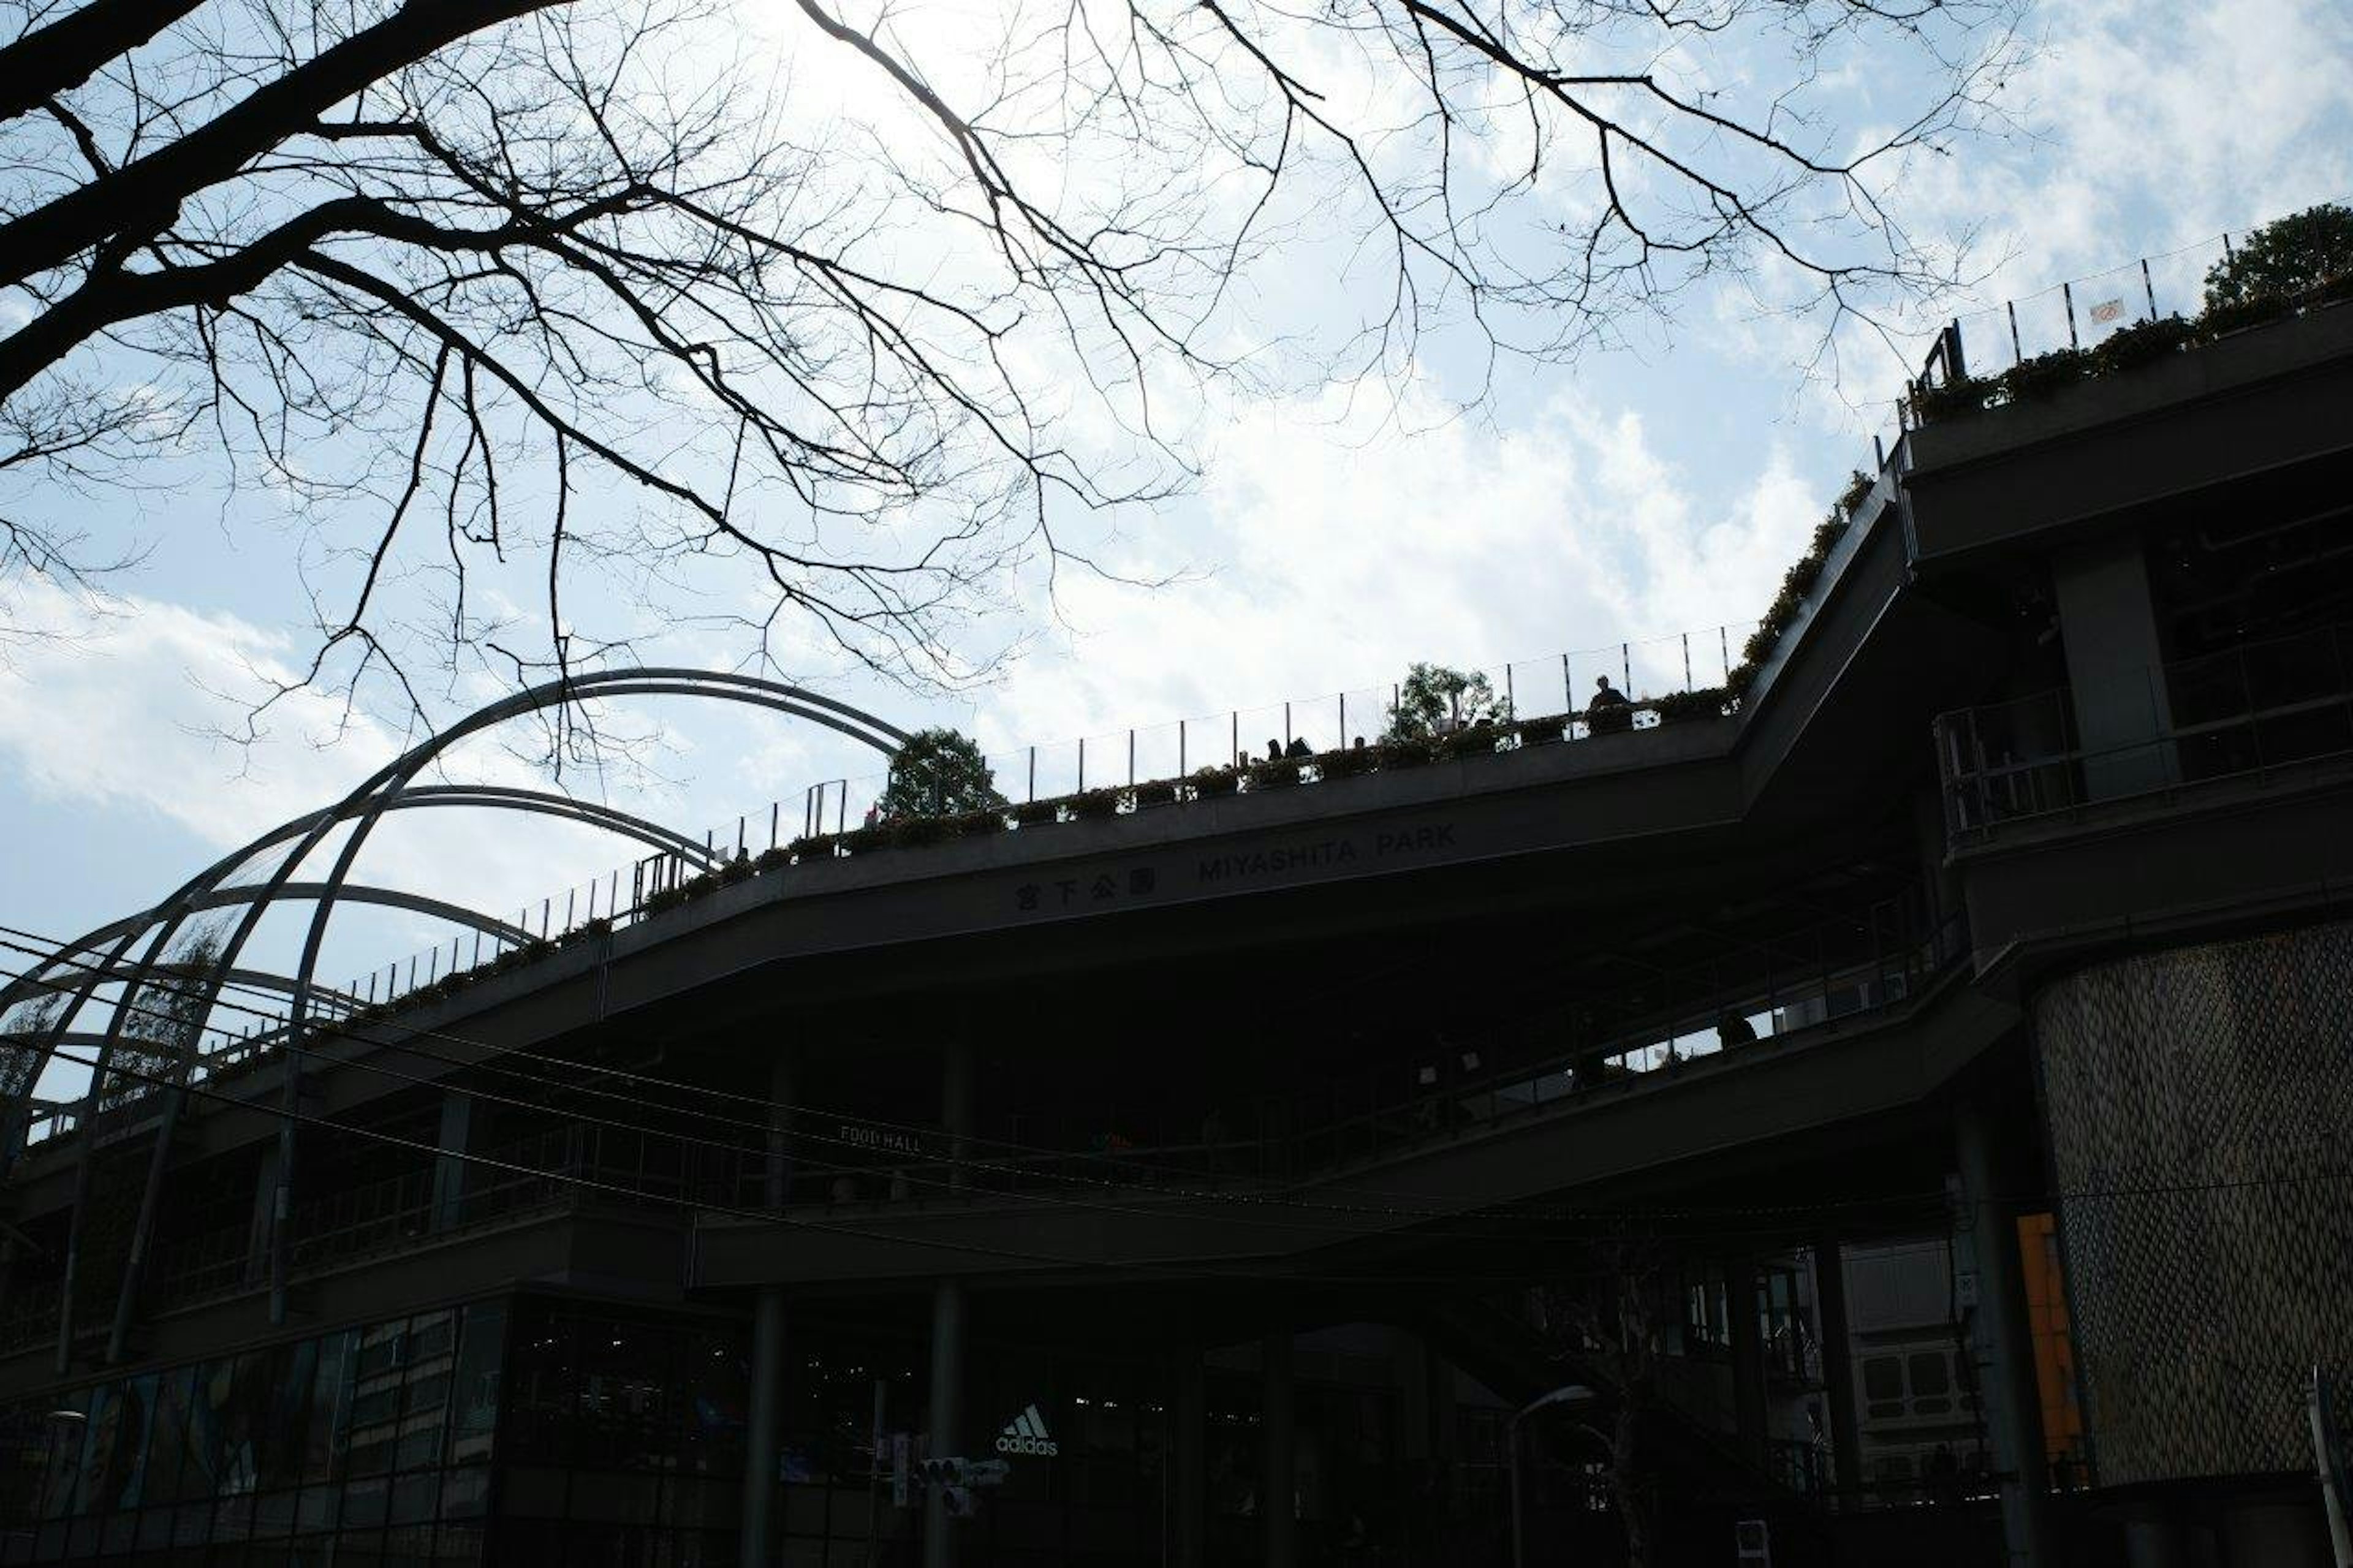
x=1476 y=1077
x=2077 y=314
x=1471 y=1081
x=1534 y=700
x=397 y=1213
x=1554 y=685
x=2151 y=729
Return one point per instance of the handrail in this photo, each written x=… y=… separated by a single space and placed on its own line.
x=2027 y=759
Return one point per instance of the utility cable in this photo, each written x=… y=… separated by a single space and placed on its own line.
x=406 y=1045
x=769 y=1130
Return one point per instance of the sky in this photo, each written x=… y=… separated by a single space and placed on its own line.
x=1638 y=494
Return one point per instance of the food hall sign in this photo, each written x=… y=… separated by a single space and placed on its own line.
x=879 y=1139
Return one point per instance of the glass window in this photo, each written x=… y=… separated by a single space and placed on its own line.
x=474 y=1383
x=1882 y=1378
x=374 y=1430
x=539 y=1389
x=220 y=1429
x=24 y=1459
x=63 y=1467
x=464 y=1492
x=167 y=1440
x=139 y=1422
x=716 y=1389
x=364 y=1501
x=100 y=1429
x=380 y=1348
x=1931 y=1378
x=323 y=1426
x=414 y=1497
x=278 y=1452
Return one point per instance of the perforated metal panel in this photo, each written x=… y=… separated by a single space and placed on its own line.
x=2200 y=1105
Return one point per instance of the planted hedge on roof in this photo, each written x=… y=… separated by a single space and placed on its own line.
x=2300 y=262
x=1795 y=584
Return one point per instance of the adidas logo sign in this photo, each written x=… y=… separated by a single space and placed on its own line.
x=1026 y=1434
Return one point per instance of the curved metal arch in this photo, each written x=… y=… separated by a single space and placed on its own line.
x=366 y=893
x=389 y=782
x=652 y=680
x=383 y=791
x=245 y=979
x=495 y=796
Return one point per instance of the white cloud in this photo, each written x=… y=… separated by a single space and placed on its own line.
x=1347 y=547
x=113 y=711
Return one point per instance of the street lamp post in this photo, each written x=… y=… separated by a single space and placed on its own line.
x=1566 y=1395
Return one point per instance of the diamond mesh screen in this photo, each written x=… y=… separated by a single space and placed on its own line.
x=2200 y=1103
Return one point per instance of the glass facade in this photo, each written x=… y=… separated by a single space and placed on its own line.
x=624 y=1443
x=366 y=1447
x=540 y=1431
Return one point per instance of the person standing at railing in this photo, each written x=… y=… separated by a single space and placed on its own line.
x=1609 y=710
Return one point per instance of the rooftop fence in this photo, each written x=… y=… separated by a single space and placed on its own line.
x=2079 y=313
x=1554 y=689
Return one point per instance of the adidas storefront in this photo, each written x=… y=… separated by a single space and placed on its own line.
x=1026 y=1434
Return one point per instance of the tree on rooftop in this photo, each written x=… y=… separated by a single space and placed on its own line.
x=2285 y=257
x=1433 y=699
x=535 y=321
x=938 y=773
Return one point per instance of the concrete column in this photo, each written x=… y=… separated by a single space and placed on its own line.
x=1838 y=1370
x=1189 y=1491
x=1741 y=1306
x=265 y=1205
x=1279 y=1426
x=760 y=1468
x=957 y=1096
x=948 y=1415
x=2003 y=1345
x=766 y=1413
x=2113 y=658
x=452 y=1177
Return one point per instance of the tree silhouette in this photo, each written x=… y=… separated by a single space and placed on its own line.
x=538 y=320
x=938 y=773
x=1433 y=699
x=2285 y=257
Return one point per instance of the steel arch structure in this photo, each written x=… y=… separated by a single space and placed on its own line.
x=104 y=957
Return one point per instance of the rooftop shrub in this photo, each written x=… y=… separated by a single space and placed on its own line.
x=2284 y=258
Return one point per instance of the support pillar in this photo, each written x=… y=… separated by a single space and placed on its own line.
x=956 y=1096
x=948 y=1415
x=1838 y=1370
x=760 y=1468
x=2002 y=1344
x=757 y=1529
x=265 y=1205
x=1279 y=1486
x=452 y=1177
x=2115 y=673
x=1188 y=1500
x=1741 y=1307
